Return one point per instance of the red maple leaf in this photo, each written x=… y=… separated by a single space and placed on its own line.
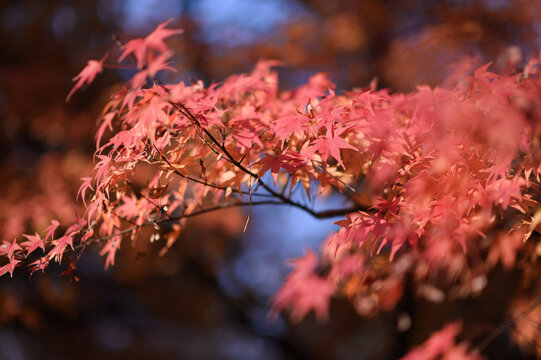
x=96 y=204
x=138 y=47
x=49 y=231
x=330 y=145
x=87 y=75
x=290 y=124
x=9 y=249
x=110 y=249
x=87 y=184
x=155 y=39
x=34 y=242
x=60 y=246
x=106 y=123
x=442 y=345
x=9 y=267
x=158 y=64
x=272 y=163
x=304 y=291
x=39 y=264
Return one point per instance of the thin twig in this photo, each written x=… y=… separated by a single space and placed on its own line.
x=206 y=183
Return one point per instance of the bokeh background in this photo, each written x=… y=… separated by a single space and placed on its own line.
x=208 y=297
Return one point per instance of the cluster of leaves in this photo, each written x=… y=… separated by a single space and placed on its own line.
x=453 y=179
x=442 y=183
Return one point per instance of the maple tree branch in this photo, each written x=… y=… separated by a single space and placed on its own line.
x=284 y=200
x=176 y=218
x=107 y=237
x=324 y=214
x=224 y=206
x=321 y=215
x=206 y=183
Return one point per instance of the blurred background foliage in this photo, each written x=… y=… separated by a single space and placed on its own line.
x=208 y=297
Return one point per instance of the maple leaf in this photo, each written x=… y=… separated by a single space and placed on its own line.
x=305 y=264
x=96 y=205
x=110 y=249
x=39 y=264
x=49 y=231
x=87 y=236
x=60 y=245
x=155 y=40
x=130 y=207
x=158 y=64
x=502 y=191
x=271 y=163
x=304 y=294
x=106 y=123
x=290 y=124
x=330 y=145
x=136 y=47
x=129 y=98
x=87 y=75
x=87 y=184
x=327 y=120
x=34 y=242
x=441 y=344
x=153 y=112
x=75 y=228
x=304 y=291
x=9 y=267
x=102 y=170
x=9 y=249
x=247 y=138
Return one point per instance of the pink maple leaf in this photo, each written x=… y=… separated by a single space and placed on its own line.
x=290 y=124
x=96 y=205
x=106 y=123
x=442 y=345
x=9 y=267
x=60 y=246
x=76 y=227
x=158 y=64
x=110 y=249
x=138 y=47
x=39 y=264
x=9 y=249
x=330 y=145
x=87 y=235
x=304 y=291
x=34 y=242
x=272 y=163
x=49 y=231
x=155 y=39
x=87 y=75
x=87 y=184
